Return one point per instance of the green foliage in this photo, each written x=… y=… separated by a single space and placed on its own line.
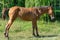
x=21 y=3
x=1 y=6
x=36 y=3
x=10 y=3
x=29 y=3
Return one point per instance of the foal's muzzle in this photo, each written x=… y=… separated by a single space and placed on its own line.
x=53 y=19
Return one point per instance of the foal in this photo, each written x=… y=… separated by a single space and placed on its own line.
x=28 y=14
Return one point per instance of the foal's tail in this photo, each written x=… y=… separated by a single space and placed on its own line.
x=4 y=13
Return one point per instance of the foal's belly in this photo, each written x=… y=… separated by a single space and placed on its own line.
x=26 y=18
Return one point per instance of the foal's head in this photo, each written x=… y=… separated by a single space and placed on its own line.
x=48 y=10
x=51 y=14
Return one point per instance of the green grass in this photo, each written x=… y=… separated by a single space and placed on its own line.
x=22 y=30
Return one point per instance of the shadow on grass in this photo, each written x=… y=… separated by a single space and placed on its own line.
x=42 y=36
x=29 y=37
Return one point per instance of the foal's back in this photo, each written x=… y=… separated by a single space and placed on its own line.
x=24 y=13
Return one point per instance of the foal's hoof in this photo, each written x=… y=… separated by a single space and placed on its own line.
x=5 y=34
x=34 y=35
x=38 y=35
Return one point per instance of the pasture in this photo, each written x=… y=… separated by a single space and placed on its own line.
x=22 y=30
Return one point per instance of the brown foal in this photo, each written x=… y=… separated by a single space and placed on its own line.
x=28 y=14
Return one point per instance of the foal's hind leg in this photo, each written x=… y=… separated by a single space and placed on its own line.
x=7 y=27
x=11 y=19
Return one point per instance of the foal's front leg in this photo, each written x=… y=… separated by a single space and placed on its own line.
x=34 y=25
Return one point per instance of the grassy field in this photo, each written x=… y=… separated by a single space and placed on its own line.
x=22 y=30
